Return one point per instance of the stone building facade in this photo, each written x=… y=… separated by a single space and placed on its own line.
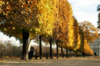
x=96 y=46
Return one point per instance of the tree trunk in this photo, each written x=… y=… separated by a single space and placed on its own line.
x=57 y=49
x=25 y=45
x=66 y=53
x=29 y=46
x=40 y=46
x=50 y=49
x=62 y=54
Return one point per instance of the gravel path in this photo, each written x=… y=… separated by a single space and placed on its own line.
x=73 y=61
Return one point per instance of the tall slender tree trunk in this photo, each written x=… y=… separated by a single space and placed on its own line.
x=66 y=53
x=29 y=46
x=25 y=45
x=50 y=49
x=40 y=47
x=57 y=49
x=62 y=54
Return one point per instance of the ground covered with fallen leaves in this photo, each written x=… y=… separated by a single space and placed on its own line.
x=71 y=61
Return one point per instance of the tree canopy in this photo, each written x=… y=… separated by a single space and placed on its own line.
x=28 y=15
x=50 y=18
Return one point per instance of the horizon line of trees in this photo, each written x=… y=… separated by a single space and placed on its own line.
x=11 y=51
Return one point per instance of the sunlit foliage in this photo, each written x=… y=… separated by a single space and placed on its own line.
x=89 y=30
x=36 y=16
x=52 y=18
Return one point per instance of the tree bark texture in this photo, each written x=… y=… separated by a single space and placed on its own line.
x=62 y=54
x=57 y=49
x=66 y=53
x=50 y=49
x=25 y=45
x=40 y=46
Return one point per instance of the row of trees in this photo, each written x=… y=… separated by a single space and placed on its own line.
x=51 y=19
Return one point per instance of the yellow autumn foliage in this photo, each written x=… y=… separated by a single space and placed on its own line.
x=77 y=39
x=70 y=31
x=79 y=42
x=64 y=30
x=87 y=49
x=45 y=17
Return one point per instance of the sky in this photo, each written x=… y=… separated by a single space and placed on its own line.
x=5 y=38
x=83 y=10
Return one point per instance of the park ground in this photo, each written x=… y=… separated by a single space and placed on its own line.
x=71 y=61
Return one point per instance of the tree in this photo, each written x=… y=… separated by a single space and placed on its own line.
x=26 y=16
x=84 y=47
x=89 y=29
x=46 y=8
x=87 y=49
x=77 y=38
x=98 y=9
x=2 y=51
x=48 y=40
x=62 y=52
x=63 y=32
x=17 y=21
x=98 y=20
